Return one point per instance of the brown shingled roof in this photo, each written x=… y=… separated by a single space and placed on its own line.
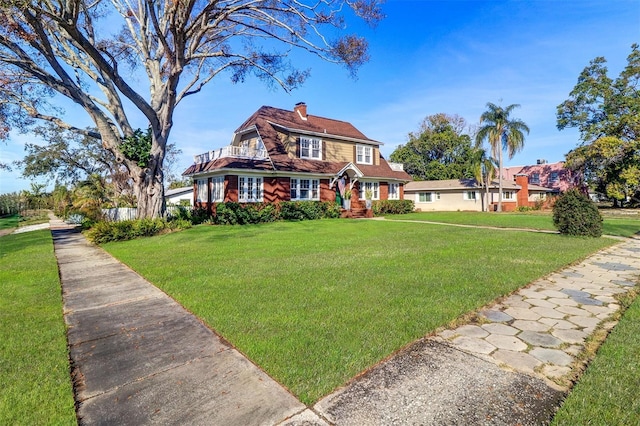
x=292 y=120
x=266 y=119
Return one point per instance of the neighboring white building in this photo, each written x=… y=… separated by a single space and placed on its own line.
x=176 y=195
x=468 y=195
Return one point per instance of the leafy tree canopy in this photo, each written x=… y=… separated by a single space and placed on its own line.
x=607 y=114
x=70 y=158
x=120 y=60
x=438 y=150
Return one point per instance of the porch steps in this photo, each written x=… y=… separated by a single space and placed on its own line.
x=356 y=213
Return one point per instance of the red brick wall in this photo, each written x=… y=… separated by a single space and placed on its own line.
x=384 y=190
x=276 y=189
x=523 y=193
x=326 y=193
x=230 y=188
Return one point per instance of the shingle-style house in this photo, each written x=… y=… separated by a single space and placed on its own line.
x=468 y=195
x=280 y=155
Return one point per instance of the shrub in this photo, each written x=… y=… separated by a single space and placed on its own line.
x=575 y=214
x=383 y=207
x=308 y=210
x=104 y=232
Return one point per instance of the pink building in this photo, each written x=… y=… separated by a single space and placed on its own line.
x=548 y=175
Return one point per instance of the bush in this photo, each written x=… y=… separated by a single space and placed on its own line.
x=308 y=210
x=239 y=214
x=575 y=214
x=104 y=232
x=383 y=207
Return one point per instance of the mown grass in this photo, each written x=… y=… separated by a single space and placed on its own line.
x=34 y=364
x=9 y=222
x=315 y=303
x=607 y=393
x=30 y=217
x=624 y=227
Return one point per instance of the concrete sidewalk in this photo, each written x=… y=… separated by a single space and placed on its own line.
x=139 y=358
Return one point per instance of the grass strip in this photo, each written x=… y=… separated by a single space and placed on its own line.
x=315 y=303
x=525 y=220
x=34 y=363
x=607 y=393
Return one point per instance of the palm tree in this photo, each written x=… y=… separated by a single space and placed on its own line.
x=503 y=133
x=484 y=170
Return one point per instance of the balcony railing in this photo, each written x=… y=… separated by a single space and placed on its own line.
x=231 y=151
x=396 y=167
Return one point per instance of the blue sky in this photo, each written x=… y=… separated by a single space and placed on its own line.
x=427 y=57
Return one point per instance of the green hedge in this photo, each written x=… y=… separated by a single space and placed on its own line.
x=383 y=207
x=104 y=232
x=225 y=214
x=242 y=214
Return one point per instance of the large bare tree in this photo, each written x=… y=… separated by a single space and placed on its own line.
x=91 y=52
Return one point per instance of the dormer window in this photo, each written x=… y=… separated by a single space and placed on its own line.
x=311 y=148
x=535 y=178
x=364 y=154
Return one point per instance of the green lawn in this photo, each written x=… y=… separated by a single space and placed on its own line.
x=9 y=222
x=315 y=303
x=624 y=227
x=34 y=363
x=607 y=393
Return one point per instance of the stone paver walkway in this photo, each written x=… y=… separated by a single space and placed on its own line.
x=542 y=328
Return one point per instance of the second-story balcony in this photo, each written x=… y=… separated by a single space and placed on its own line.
x=231 y=151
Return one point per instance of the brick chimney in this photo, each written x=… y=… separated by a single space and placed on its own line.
x=301 y=109
x=523 y=193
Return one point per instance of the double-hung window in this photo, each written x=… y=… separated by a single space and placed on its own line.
x=364 y=154
x=203 y=193
x=250 y=189
x=374 y=187
x=507 y=195
x=217 y=189
x=394 y=191
x=425 y=197
x=305 y=189
x=553 y=178
x=311 y=148
x=470 y=195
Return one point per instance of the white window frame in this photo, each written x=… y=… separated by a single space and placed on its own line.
x=507 y=195
x=312 y=146
x=394 y=191
x=428 y=197
x=217 y=189
x=364 y=154
x=311 y=186
x=250 y=189
x=373 y=186
x=202 y=195
x=554 y=177
x=466 y=195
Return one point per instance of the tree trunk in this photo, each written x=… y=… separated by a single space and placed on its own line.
x=500 y=180
x=149 y=191
x=486 y=191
